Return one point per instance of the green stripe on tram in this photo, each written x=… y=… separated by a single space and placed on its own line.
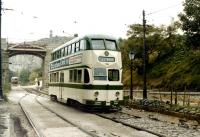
x=80 y=86
x=68 y=67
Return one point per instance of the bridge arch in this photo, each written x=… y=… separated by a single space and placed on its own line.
x=37 y=50
x=28 y=49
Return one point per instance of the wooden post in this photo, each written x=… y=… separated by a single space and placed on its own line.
x=184 y=96
x=175 y=97
x=188 y=98
x=160 y=95
x=171 y=97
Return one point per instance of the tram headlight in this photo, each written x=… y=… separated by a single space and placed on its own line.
x=96 y=93
x=117 y=94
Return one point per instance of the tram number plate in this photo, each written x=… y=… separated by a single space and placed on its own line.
x=106 y=59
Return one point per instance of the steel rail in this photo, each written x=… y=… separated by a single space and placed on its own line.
x=58 y=115
x=39 y=134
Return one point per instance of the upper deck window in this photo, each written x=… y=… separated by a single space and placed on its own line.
x=69 y=49
x=98 y=44
x=73 y=48
x=77 y=47
x=66 y=51
x=110 y=45
x=82 y=45
x=101 y=44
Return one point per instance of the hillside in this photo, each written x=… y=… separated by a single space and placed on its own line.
x=179 y=70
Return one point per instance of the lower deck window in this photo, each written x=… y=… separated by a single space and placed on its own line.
x=113 y=75
x=71 y=75
x=100 y=74
x=54 y=77
x=79 y=76
x=75 y=76
x=62 y=77
x=86 y=76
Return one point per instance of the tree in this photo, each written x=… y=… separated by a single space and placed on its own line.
x=24 y=76
x=191 y=22
x=36 y=73
x=155 y=43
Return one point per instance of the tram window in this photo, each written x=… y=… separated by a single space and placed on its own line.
x=82 y=45
x=57 y=77
x=66 y=51
x=51 y=78
x=73 y=47
x=75 y=76
x=54 y=56
x=100 y=74
x=86 y=76
x=110 y=44
x=79 y=76
x=63 y=52
x=77 y=47
x=61 y=77
x=54 y=77
x=71 y=75
x=69 y=49
x=113 y=75
x=58 y=54
x=98 y=44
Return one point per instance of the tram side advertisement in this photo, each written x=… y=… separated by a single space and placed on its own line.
x=66 y=62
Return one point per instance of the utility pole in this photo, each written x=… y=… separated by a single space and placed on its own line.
x=144 y=57
x=1 y=91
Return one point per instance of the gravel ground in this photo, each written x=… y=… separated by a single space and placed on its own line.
x=19 y=125
x=166 y=125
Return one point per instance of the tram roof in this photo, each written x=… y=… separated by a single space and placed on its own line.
x=94 y=36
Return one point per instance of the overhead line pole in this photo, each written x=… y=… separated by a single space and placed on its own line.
x=1 y=91
x=144 y=57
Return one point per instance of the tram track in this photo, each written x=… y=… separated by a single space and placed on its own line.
x=28 y=117
x=32 y=91
x=160 y=129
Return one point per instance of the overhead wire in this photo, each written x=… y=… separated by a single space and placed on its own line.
x=160 y=10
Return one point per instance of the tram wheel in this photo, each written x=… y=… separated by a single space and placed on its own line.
x=53 y=98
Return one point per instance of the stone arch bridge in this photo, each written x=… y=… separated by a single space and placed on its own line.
x=40 y=50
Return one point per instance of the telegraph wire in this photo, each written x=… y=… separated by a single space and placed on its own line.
x=160 y=10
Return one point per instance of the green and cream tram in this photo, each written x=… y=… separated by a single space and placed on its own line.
x=87 y=70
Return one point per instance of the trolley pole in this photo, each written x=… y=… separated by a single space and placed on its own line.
x=1 y=91
x=144 y=57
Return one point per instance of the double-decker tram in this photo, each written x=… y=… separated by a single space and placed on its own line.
x=87 y=71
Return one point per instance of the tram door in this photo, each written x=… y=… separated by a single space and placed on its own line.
x=61 y=88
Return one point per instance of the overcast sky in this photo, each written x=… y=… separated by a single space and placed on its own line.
x=33 y=19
